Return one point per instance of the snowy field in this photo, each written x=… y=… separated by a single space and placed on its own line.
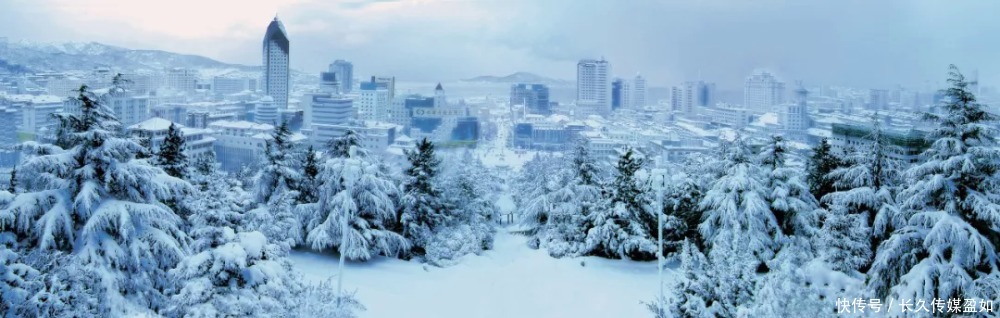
x=510 y=281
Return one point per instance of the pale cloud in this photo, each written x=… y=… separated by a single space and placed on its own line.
x=862 y=43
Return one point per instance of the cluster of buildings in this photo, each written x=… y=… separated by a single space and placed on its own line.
x=232 y=115
x=612 y=114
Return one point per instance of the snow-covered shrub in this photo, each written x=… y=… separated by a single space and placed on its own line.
x=321 y=300
x=242 y=275
x=449 y=244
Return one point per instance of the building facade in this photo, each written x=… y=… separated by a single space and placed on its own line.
x=593 y=84
x=345 y=74
x=276 y=79
x=534 y=97
x=762 y=92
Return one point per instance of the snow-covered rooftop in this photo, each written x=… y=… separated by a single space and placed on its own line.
x=154 y=124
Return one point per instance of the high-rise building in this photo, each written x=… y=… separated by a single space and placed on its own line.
x=692 y=96
x=593 y=84
x=534 y=97
x=616 y=93
x=345 y=74
x=276 y=76
x=373 y=101
x=638 y=95
x=389 y=82
x=762 y=91
x=625 y=94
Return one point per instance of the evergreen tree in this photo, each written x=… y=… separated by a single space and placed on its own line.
x=171 y=156
x=623 y=229
x=559 y=218
x=866 y=191
x=95 y=202
x=341 y=146
x=12 y=185
x=471 y=190
x=277 y=175
x=737 y=210
x=681 y=196
x=947 y=246
x=821 y=163
x=309 y=186
x=423 y=210
x=792 y=204
x=355 y=193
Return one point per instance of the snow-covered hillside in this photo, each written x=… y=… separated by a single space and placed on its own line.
x=56 y=57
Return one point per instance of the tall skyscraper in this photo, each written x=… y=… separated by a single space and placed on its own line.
x=638 y=92
x=345 y=74
x=762 y=91
x=276 y=75
x=593 y=84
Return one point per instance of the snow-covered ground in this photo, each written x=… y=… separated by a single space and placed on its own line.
x=510 y=281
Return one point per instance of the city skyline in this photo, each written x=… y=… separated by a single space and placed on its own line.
x=906 y=43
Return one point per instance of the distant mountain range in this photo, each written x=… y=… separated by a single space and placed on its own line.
x=519 y=77
x=29 y=57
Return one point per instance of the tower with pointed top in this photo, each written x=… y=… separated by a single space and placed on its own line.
x=276 y=72
x=439 y=100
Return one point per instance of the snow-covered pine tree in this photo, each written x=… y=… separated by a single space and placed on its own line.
x=354 y=191
x=947 y=247
x=559 y=217
x=423 y=210
x=18 y=280
x=277 y=220
x=309 y=185
x=786 y=290
x=276 y=189
x=791 y=202
x=821 y=163
x=691 y=295
x=866 y=190
x=472 y=190
x=95 y=201
x=277 y=174
x=171 y=156
x=740 y=232
x=341 y=146
x=623 y=229
x=682 y=214
x=736 y=208
x=240 y=274
x=12 y=184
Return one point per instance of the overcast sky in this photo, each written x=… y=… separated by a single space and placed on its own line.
x=856 y=43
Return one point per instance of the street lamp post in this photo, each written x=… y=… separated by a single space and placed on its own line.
x=659 y=234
